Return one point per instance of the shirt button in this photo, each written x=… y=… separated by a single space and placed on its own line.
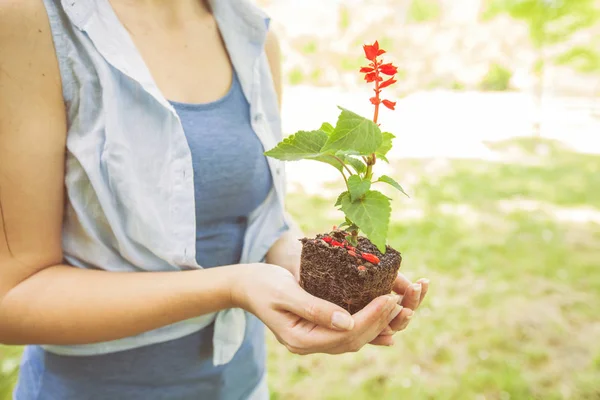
x=257 y=117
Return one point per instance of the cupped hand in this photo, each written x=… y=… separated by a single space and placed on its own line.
x=411 y=297
x=304 y=323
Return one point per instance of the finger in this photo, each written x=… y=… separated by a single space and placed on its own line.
x=412 y=296
x=374 y=315
x=402 y=320
x=405 y=324
x=369 y=322
x=382 y=341
x=318 y=311
x=401 y=284
x=376 y=322
x=387 y=331
x=425 y=287
x=366 y=321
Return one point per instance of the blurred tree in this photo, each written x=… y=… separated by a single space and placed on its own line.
x=585 y=59
x=497 y=79
x=424 y=11
x=552 y=22
x=344 y=21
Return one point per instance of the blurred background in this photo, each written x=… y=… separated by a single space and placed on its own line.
x=498 y=144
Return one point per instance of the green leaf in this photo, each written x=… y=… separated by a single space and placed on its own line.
x=338 y=202
x=304 y=145
x=386 y=145
x=358 y=187
x=355 y=163
x=391 y=181
x=371 y=214
x=343 y=224
x=352 y=240
x=327 y=128
x=347 y=157
x=354 y=133
x=299 y=146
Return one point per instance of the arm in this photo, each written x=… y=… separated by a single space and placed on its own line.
x=286 y=251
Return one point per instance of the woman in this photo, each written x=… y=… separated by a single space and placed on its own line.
x=153 y=115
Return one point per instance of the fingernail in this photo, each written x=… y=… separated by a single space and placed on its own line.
x=342 y=321
x=424 y=281
x=393 y=299
x=400 y=298
x=410 y=314
x=397 y=309
x=417 y=287
x=388 y=331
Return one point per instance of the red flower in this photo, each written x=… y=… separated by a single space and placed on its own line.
x=389 y=104
x=387 y=83
x=374 y=72
x=388 y=69
x=371 y=77
x=371 y=51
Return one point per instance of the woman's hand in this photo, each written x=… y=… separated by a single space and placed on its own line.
x=412 y=295
x=306 y=324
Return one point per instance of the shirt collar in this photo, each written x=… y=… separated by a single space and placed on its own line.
x=243 y=27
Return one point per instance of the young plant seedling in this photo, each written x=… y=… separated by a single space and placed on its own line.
x=353 y=146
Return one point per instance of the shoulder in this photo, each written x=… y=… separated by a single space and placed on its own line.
x=24 y=31
x=20 y=19
x=27 y=56
x=29 y=73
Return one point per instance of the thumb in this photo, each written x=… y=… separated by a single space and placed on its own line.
x=319 y=311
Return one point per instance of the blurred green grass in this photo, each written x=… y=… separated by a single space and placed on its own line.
x=513 y=254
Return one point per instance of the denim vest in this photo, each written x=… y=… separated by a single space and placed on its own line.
x=129 y=177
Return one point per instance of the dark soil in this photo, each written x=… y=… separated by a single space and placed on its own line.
x=330 y=273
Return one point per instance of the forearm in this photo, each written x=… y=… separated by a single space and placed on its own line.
x=286 y=251
x=67 y=305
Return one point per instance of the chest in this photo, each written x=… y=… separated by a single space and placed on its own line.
x=188 y=60
x=231 y=174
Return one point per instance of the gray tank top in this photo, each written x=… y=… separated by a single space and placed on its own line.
x=231 y=174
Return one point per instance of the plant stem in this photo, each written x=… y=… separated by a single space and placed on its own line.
x=369 y=172
x=343 y=164
x=372 y=159
x=377 y=91
x=342 y=171
x=345 y=179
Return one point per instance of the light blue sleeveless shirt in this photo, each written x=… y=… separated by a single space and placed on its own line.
x=129 y=172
